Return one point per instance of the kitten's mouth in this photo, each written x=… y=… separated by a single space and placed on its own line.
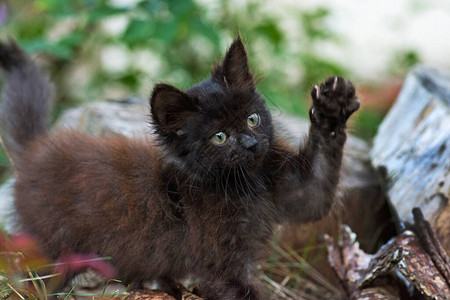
x=253 y=157
x=250 y=160
x=237 y=160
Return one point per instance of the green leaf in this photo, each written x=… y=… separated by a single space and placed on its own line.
x=207 y=30
x=271 y=31
x=314 y=24
x=4 y=160
x=180 y=8
x=73 y=39
x=138 y=31
x=317 y=69
x=105 y=12
x=41 y=45
x=56 y=7
x=167 y=31
x=151 y=6
x=402 y=61
x=130 y=79
x=367 y=122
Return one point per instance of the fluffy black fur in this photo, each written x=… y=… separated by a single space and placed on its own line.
x=183 y=205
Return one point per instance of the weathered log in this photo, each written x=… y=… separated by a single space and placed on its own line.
x=359 y=271
x=412 y=150
x=431 y=244
x=353 y=266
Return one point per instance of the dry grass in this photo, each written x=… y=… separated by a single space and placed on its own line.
x=289 y=276
x=286 y=274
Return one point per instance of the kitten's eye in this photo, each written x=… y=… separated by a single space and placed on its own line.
x=219 y=138
x=253 y=120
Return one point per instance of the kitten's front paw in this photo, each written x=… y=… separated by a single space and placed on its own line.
x=333 y=103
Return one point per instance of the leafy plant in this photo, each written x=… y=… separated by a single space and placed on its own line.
x=174 y=41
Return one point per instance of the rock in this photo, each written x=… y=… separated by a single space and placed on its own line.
x=412 y=150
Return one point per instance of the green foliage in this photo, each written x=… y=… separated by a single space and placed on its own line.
x=367 y=121
x=169 y=40
x=181 y=34
x=314 y=24
x=316 y=69
x=403 y=61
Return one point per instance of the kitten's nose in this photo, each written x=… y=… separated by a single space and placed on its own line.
x=249 y=142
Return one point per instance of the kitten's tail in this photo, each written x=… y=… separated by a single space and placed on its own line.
x=26 y=99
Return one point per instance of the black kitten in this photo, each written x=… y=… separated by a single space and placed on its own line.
x=201 y=200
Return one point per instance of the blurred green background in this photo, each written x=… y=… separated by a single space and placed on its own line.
x=101 y=50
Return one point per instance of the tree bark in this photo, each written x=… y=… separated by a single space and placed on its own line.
x=412 y=150
x=365 y=276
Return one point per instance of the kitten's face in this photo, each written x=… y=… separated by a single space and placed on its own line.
x=232 y=129
x=220 y=124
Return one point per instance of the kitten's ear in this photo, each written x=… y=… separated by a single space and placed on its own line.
x=234 y=70
x=171 y=108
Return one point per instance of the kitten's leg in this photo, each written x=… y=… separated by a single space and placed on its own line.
x=170 y=286
x=309 y=194
x=132 y=284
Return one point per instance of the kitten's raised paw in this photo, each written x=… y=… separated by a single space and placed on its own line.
x=334 y=101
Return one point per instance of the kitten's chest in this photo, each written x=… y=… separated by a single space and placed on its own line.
x=217 y=217
x=233 y=220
